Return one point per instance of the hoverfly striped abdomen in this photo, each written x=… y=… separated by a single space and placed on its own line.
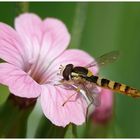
x=115 y=86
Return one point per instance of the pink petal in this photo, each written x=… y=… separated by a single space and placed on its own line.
x=54 y=41
x=106 y=98
x=29 y=29
x=73 y=111
x=73 y=56
x=11 y=46
x=19 y=82
x=44 y=40
x=59 y=34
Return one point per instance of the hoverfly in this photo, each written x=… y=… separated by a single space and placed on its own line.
x=80 y=77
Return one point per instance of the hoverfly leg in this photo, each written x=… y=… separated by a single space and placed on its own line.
x=87 y=111
x=61 y=82
x=68 y=98
x=77 y=89
x=57 y=84
x=89 y=99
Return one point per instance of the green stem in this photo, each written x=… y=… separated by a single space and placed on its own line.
x=74 y=130
x=71 y=131
x=13 y=116
x=78 y=25
x=22 y=7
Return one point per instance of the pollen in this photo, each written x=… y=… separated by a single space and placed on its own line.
x=89 y=73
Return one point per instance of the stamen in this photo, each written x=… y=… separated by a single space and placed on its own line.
x=29 y=66
x=31 y=61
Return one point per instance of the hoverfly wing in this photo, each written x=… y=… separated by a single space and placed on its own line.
x=96 y=99
x=92 y=95
x=105 y=59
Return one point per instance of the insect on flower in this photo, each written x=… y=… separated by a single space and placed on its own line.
x=81 y=78
x=32 y=55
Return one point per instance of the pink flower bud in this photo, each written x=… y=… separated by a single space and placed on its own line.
x=103 y=113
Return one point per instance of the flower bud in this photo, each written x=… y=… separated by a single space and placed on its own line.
x=103 y=113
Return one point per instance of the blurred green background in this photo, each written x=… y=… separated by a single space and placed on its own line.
x=107 y=26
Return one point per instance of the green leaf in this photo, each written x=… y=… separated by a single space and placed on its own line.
x=48 y=130
x=78 y=24
x=4 y=93
x=14 y=115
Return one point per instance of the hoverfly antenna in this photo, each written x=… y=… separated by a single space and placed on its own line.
x=61 y=68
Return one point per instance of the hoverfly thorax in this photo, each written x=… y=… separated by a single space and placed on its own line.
x=81 y=70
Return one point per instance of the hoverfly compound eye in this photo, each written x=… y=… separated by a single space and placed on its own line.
x=67 y=71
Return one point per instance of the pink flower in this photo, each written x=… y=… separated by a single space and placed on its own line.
x=103 y=113
x=33 y=52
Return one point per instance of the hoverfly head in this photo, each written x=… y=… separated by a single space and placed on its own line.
x=66 y=71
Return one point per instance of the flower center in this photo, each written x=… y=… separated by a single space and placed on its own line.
x=34 y=71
